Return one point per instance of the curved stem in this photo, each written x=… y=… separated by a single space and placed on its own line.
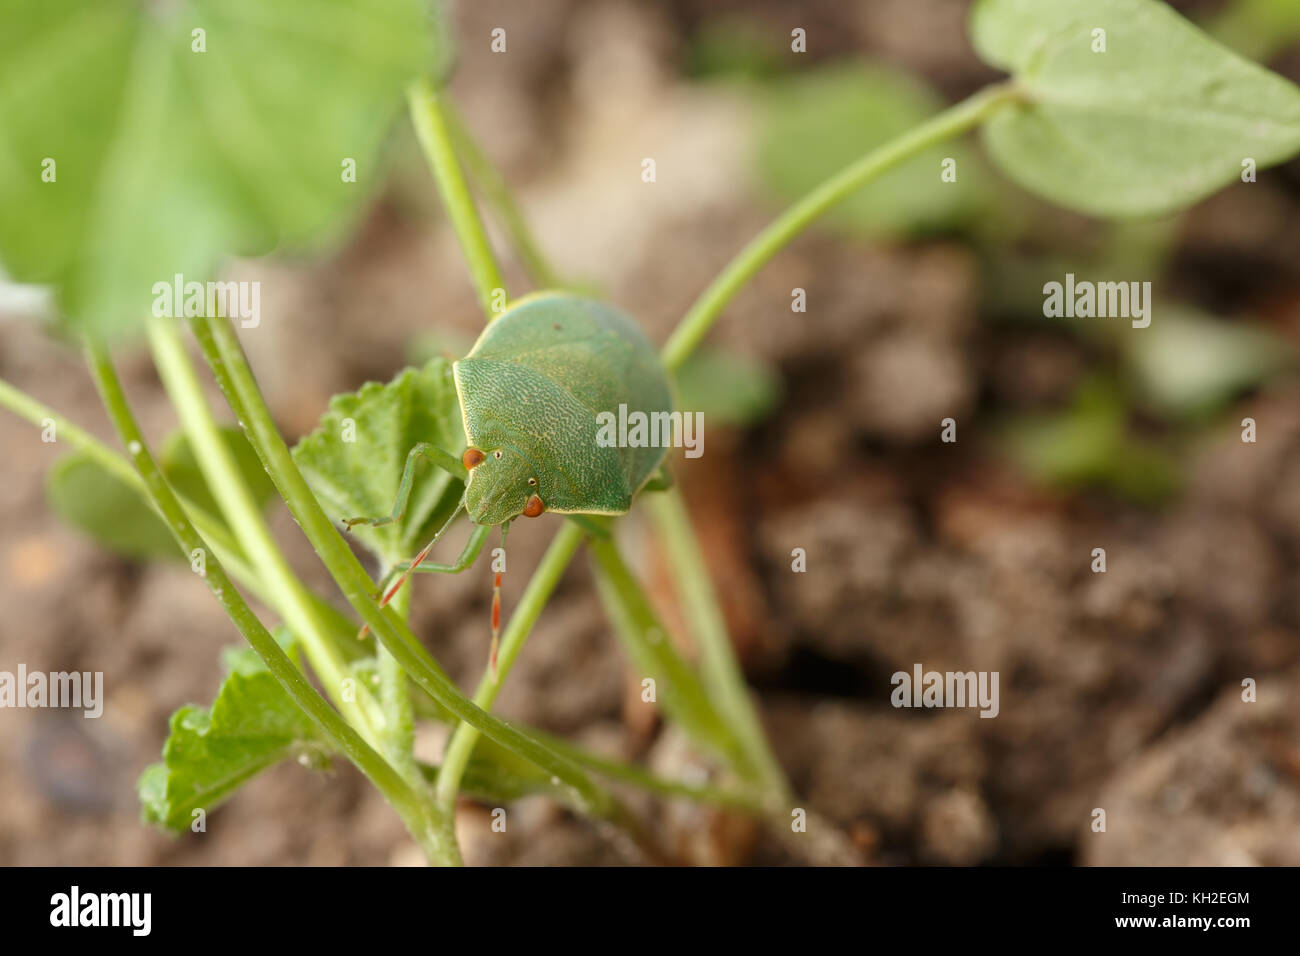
x=245 y=519
x=431 y=126
x=498 y=193
x=210 y=527
x=333 y=550
x=398 y=736
x=415 y=812
x=540 y=586
x=700 y=317
x=722 y=673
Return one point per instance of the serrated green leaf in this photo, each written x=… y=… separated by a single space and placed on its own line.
x=88 y=497
x=818 y=122
x=1164 y=117
x=360 y=477
x=253 y=724
x=167 y=158
x=726 y=388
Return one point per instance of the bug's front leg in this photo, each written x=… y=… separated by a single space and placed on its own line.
x=432 y=453
x=472 y=548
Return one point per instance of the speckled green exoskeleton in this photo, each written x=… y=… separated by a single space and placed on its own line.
x=530 y=391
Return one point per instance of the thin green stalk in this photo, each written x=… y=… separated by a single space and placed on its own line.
x=432 y=128
x=244 y=517
x=647 y=643
x=211 y=528
x=391 y=631
x=634 y=776
x=398 y=736
x=416 y=813
x=722 y=674
x=957 y=119
x=540 y=586
x=497 y=192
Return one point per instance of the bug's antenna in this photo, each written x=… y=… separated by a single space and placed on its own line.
x=496 y=605
x=415 y=563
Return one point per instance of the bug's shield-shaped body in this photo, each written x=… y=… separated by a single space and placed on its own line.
x=530 y=391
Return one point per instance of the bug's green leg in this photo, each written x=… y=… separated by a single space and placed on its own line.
x=443 y=459
x=407 y=568
x=472 y=548
x=661 y=480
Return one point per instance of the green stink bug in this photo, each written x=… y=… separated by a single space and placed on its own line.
x=531 y=390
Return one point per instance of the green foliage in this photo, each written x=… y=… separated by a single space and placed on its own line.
x=182 y=469
x=355 y=457
x=816 y=123
x=1188 y=364
x=95 y=501
x=253 y=724
x=166 y=158
x=1258 y=29
x=729 y=389
x=735 y=48
x=1164 y=117
x=1089 y=445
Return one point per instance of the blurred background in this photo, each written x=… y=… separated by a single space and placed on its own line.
x=1119 y=690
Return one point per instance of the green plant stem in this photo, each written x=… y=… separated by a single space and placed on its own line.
x=212 y=530
x=119 y=467
x=722 y=673
x=634 y=776
x=431 y=127
x=539 y=590
x=650 y=648
x=244 y=517
x=705 y=311
x=398 y=737
x=246 y=400
x=416 y=813
x=498 y=194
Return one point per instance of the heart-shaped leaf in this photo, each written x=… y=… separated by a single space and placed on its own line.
x=139 y=140
x=1129 y=109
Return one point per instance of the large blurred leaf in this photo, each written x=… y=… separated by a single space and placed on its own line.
x=1258 y=29
x=736 y=47
x=253 y=724
x=726 y=388
x=1088 y=445
x=166 y=158
x=818 y=122
x=94 y=500
x=1188 y=364
x=354 y=458
x=1161 y=119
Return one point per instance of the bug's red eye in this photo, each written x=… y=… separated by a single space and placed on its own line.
x=471 y=458
x=534 y=507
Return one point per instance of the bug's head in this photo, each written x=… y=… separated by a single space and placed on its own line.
x=502 y=485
